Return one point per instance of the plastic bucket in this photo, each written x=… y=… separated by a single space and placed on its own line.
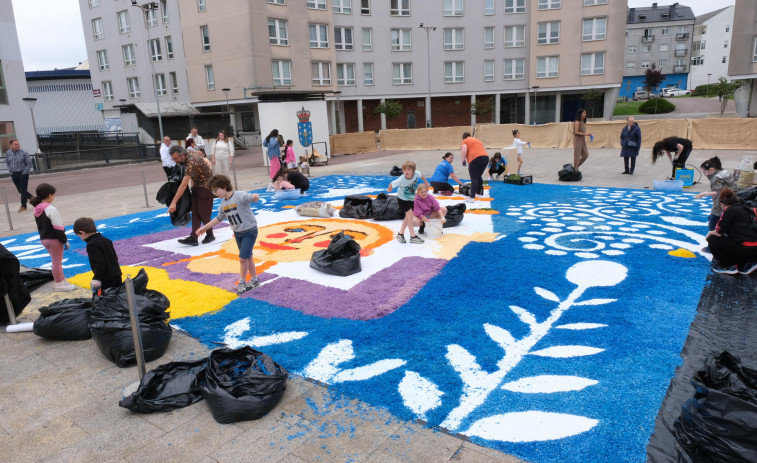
x=434 y=229
x=668 y=185
x=287 y=194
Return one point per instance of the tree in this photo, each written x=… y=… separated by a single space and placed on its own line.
x=591 y=97
x=725 y=90
x=653 y=78
x=482 y=107
x=390 y=108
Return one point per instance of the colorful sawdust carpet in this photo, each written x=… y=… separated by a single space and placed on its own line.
x=547 y=324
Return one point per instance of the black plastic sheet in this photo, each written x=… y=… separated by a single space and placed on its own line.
x=33 y=278
x=242 y=384
x=341 y=257
x=569 y=174
x=395 y=171
x=168 y=387
x=183 y=214
x=386 y=207
x=357 y=207
x=11 y=284
x=65 y=320
x=455 y=214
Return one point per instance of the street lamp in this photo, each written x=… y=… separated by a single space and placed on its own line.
x=428 y=30
x=30 y=102
x=226 y=93
x=146 y=8
x=708 y=78
x=535 y=88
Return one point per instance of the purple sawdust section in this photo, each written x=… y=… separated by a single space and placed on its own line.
x=134 y=250
x=227 y=281
x=373 y=298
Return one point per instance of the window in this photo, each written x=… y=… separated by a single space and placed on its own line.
x=728 y=28
x=725 y=44
x=453 y=39
x=367 y=39
x=399 y=7
x=725 y=58
x=164 y=10
x=155 y=52
x=704 y=44
x=453 y=7
x=365 y=6
x=549 y=33
x=646 y=48
x=631 y=65
x=174 y=83
x=160 y=84
x=345 y=74
x=402 y=73
x=3 y=91
x=343 y=6
x=210 y=78
x=368 y=73
x=682 y=30
x=515 y=36
x=664 y=47
x=547 y=66
x=169 y=47
x=102 y=60
x=97 y=28
x=400 y=39
x=343 y=38
x=514 y=69
x=632 y=49
x=648 y=33
x=515 y=6
x=124 y=25
x=697 y=60
x=94 y=3
x=151 y=18
x=321 y=73
x=594 y=2
x=107 y=90
x=592 y=63
x=319 y=36
x=133 y=85
x=488 y=37
x=754 y=50
x=549 y=4
x=205 y=38
x=201 y=5
x=696 y=46
x=317 y=4
x=644 y=64
x=277 y=32
x=276 y=2
x=282 y=72
x=454 y=72
x=665 y=31
x=489 y=70
x=595 y=29
x=128 y=52
x=488 y=7
x=662 y=63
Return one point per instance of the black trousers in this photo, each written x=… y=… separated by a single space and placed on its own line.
x=441 y=186
x=729 y=252
x=168 y=171
x=496 y=171
x=632 y=162
x=476 y=170
x=22 y=183
x=202 y=208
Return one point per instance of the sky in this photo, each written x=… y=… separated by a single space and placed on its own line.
x=51 y=35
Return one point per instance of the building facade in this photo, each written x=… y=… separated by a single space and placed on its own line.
x=711 y=47
x=660 y=35
x=742 y=61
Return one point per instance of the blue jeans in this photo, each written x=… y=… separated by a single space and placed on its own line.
x=712 y=221
x=22 y=183
x=245 y=242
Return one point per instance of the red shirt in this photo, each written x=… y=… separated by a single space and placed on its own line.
x=475 y=149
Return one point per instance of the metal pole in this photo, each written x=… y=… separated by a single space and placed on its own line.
x=144 y=186
x=234 y=170
x=11 y=313
x=136 y=335
x=7 y=209
x=145 y=8
x=428 y=74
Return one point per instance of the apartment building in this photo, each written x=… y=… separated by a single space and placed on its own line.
x=711 y=46
x=15 y=116
x=742 y=61
x=660 y=35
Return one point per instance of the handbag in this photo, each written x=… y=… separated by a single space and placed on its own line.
x=632 y=144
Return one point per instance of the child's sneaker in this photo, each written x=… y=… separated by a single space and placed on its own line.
x=422 y=228
x=241 y=287
x=401 y=238
x=254 y=283
x=446 y=193
x=64 y=286
x=470 y=200
x=748 y=268
x=416 y=240
x=732 y=270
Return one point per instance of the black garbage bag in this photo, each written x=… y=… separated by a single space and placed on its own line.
x=65 y=320
x=396 y=171
x=183 y=214
x=357 y=207
x=242 y=384
x=719 y=423
x=386 y=207
x=341 y=258
x=569 y=174
x=168 y=387
x=33 y=278
x=454 y=215
x=11 y=284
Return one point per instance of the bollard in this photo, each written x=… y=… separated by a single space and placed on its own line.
x=136 y=335
x=144 y=186
x=234 y=170
x=11 y=312
x=7 y=209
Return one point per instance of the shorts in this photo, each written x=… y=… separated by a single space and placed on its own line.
x=245 y=242
x=405 y=206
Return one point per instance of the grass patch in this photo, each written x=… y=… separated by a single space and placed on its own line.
x=630 y=108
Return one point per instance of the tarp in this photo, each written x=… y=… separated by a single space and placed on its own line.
x=442 y=138
x=354 y=143
x=737 y=134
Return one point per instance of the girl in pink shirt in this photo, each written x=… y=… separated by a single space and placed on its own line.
x=426 y=207
x=290 y=159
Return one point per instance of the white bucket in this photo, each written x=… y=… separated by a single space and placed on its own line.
x=434 y=229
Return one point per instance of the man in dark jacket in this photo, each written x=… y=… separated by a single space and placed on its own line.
x=19 y=164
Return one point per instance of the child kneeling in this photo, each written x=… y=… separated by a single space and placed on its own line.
x=102 y=256
x=235 y=206
x=426 y=207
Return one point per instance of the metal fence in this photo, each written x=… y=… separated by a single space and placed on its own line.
x=89 y=139
x=80 y=159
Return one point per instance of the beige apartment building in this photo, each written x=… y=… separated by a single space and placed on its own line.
x=742 y=63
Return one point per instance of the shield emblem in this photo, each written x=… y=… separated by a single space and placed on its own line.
x=305 y=132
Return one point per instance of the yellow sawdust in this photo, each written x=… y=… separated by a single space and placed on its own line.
x=680 y=252
x=452 y=243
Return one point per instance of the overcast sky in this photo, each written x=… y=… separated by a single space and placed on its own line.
x=51 y=36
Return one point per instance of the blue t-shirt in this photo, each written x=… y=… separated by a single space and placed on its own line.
x=406 y=186
x=442 y=172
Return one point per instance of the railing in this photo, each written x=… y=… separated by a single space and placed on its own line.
x=80 y=159
x=647 y=38
x=681 y=51
x=682 y=36
x=89 y=139
x=679 y=68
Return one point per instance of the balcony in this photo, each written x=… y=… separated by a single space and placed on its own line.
x=681 y=51
x=682 y=36
x=679 y=68
x=647 y=38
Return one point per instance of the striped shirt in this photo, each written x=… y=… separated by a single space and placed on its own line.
x=18 y=161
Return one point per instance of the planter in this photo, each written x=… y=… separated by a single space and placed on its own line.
x=518 y=179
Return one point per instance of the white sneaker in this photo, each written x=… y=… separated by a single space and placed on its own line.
x=64 y=286
x=470 y=200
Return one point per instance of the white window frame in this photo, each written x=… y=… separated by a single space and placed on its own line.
x=132 y=83
x=633 y=49
x=516 y=31
x=316 y=4
x=169 y=47
x=399 y=7
x=156 y=54
x=664 y=47
x=452 y=7
x=127 y=51
x=205 y=38
x=97 y=28
x=321 y=73
x=724 y=60
x=102 y=60
x=549 y=4
x=345 y=74
x=210 y=77
x=402 y=73
x=489 y=70
x=646 y=48
x=551 y=65
x=164 y=10
x=276 y=2
x=662 y=63
x=280 y=35
x=401 y=39
x=513 y=73
x=594 y=2
x=754 y=51
x=515 y=6
x=368 y=76
x=160 y=84
x=151 y=17
x=107 y=87
x=342 y=6
x=124 y=22
x=665 y=31
x=489 y=7
x=340 y=38
x=201 y=6
x=365 y=7
x=548 y=33
x=488 y=37
x=644 y=64
x=94 y=3
x=454 y=38
x=284 y=70
x=367 y=34
x=454 y=72
x=631 y=65
x=597 y=29
x=174 y=83
x=589 y=66
x=318 y=35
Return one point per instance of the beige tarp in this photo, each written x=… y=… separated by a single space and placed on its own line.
x=442 y=138
x=553 y=135
x=353 y=143
x=724 y=133
x=607 y=134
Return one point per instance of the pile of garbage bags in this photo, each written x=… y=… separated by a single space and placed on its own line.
x=65 y=320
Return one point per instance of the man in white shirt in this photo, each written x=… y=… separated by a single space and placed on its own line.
x=197 y=138
x=165 y=157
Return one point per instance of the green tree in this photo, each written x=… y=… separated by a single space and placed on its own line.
x=482 y=107
x=390 y=108
x=725 y=90
x=591 y=97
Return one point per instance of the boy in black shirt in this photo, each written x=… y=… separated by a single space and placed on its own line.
x=102 y=255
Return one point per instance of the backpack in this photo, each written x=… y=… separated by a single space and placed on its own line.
x=751 y=208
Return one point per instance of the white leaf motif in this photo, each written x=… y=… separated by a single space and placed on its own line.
x=546 y=294
x=524 y=315
x=580 y=326
x=530 y=426
x=367 y=371
x=324 y=368
x=595 y=302
x=548 y=384
x=500 y=335
x=419 y=394
x=567 y=351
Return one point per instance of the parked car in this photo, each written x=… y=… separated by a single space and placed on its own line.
x=671 y=92
x=640 y=95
